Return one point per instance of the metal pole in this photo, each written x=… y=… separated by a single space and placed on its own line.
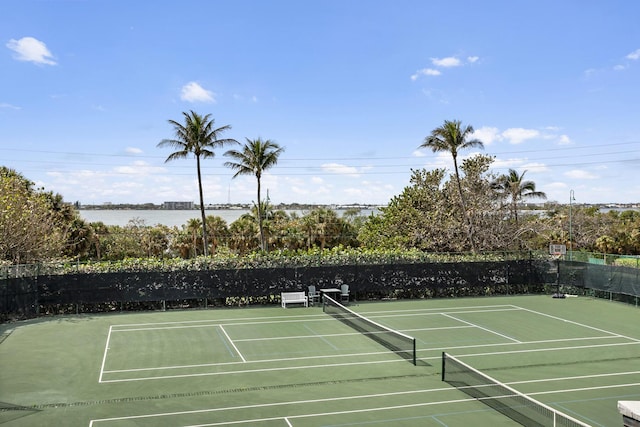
x=571 y=199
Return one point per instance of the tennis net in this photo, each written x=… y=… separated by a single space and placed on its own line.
x=504 y=399
x=399 y=343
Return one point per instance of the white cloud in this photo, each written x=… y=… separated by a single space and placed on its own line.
x=138 y=168
x=133 y=150
x=425 y=72
x=488 y=135
x=10 y=106
x=340 y=169
x=634 y=56
x=535 y=167
x=504 y=164
x=193 y=92
x=299 y=190
x=450 y=61
x=31 y=50
x=619 y=67
x=580 y=174
x=564 y=140
x=519 y=135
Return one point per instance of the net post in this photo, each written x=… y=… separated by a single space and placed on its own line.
x=415 y=362
x=444 y=357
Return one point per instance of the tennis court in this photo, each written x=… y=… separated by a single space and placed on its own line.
x=302 y=367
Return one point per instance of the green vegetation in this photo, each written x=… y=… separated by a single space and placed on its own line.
x=452 y=137
x=474 y=210
x=197 y=137
x=255 y=157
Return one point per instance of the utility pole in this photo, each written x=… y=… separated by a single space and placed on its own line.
x=571 y=199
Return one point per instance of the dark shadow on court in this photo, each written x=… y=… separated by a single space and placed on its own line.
x=9 y=412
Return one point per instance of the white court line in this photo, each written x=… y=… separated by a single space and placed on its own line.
x=376 y=314
x=322 y=317
x=578 y=324
x=347 y=334
x=316 y=357
x=370 y=396
x=344 y=398
x=483 y=328
x=324 y=366
x=249 y=371
x=608 y=337
x=295 y=403
x=164 y=328
x=439 y=310
x=576 y=377
x=282 y=359
x=288 y=423
x=104 y=356
x=461 y=356
x=232 y=343
x=333 y=356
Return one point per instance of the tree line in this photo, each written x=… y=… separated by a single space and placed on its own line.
x=472 y=210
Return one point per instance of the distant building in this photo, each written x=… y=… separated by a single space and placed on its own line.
x=177 y=205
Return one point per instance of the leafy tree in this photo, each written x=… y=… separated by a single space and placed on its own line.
x=452 y=137
x=515 y=189
x=29 y=229
x=192 y=227
x=485 y=207
x=426 y=215
x=100 y=230
x=157 y=240
x=287 y=231
x=244 y=234
x=198 y=137
x=80 y=238
x=219 y=231
x=254 y=158
x=423 y=216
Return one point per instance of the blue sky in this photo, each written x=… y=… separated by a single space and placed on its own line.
x=349 y=88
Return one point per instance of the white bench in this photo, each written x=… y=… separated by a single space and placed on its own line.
x=293 y=297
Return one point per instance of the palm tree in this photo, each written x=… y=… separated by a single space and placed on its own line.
x=452 y=137
x=199 y=137
x=255 y=157
x=192 y=226
x=513 y=187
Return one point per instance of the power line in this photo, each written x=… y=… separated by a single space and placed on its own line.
x=134 y=156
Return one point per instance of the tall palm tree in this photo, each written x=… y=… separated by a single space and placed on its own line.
x=199 y=137
x=452 y=137
x=514 y=188
x=255 y=157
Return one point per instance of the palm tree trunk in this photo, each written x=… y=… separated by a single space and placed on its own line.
x=464 y=208
x=202 y=214
x=262 y=243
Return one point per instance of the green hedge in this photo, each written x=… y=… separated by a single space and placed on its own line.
x=223 y=260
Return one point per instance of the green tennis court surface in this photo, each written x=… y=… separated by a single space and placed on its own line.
x=301 y=367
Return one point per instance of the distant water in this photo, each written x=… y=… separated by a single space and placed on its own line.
x=167 y=217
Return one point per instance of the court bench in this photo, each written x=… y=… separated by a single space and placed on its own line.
x=293 y=297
